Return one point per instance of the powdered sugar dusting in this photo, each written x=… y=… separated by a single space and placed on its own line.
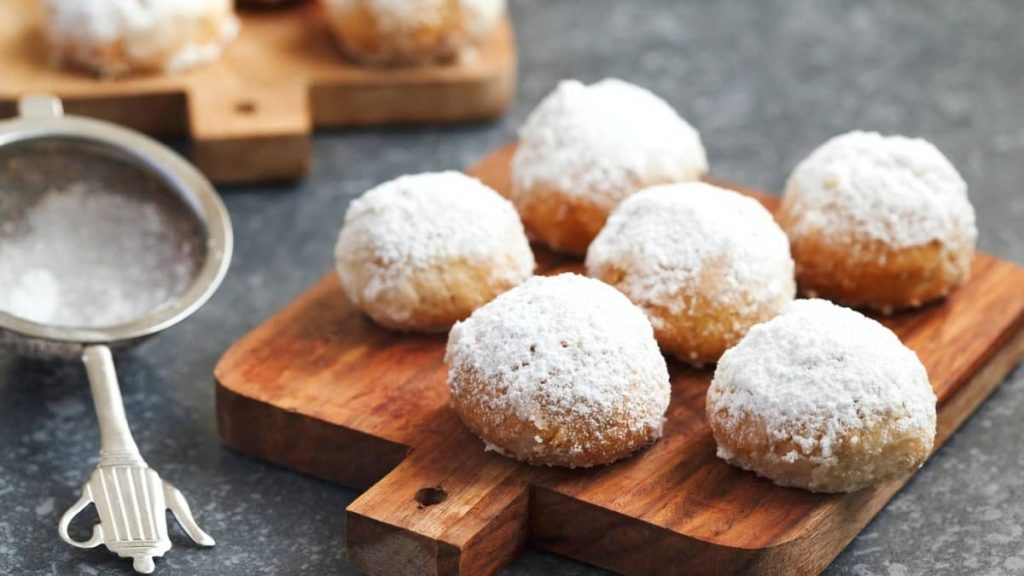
x=402 y=15
x=146 y=29
x=603 y=141
x=817 y=373
x=481 y=16
x=195 y=54
x=563 y=348
x=665 y=238
x=396 y=15
x=416 y=222
x=87 y=257
x=901 y=191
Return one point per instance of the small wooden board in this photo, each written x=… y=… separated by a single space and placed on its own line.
x=251 y=113
x=321 y=389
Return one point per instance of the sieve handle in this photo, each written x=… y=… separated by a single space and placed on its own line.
x=116 y=443
x=130 y=497
x=40 y=106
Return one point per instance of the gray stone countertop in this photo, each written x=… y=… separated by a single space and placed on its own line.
x=764 y=81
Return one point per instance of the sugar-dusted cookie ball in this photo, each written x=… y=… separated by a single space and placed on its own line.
x=421 y=252
x=562 y=371
x=411 y=32
x=120 y=37
x=822 y=398
x=878 y=221
x=703 y=262
x=586 y=148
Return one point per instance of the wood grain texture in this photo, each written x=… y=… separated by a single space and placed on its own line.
x=320 y=388
x=250 y=115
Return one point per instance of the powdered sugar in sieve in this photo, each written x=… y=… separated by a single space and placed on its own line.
x=88 y=238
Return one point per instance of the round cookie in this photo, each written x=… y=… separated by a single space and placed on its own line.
x=119 y=37
x=586 y=148
x=421 y=252
x=411 y=32
x=703 y=262
x=878 y=221
x=559 y=371
x=822 y=398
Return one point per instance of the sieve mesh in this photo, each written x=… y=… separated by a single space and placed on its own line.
x=88 y=237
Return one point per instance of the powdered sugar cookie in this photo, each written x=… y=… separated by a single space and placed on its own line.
x=420 y=252
x=119 y=37
x=561 y=371
x=586 y=148
x=879 y=221
x=411 y=32
x=703 y=262
x=822 y=398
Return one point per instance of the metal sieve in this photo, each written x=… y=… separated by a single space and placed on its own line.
x=106 y=237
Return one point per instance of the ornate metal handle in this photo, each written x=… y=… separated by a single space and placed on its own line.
x=130 y=497
x=65 y=521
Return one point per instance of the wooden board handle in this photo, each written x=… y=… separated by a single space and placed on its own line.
x=251 y=134
x=444 y=510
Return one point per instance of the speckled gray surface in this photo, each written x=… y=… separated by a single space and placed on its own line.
x=764 y=81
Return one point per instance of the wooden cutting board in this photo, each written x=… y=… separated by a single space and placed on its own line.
x=320 y=389
x=250 y=114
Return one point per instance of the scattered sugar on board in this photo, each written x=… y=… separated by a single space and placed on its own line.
x=666 y=237
x=564 y=346
x=818 y=372
x=420 y=221
x=902 y=191
x=600 y=141
x=85 y=257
